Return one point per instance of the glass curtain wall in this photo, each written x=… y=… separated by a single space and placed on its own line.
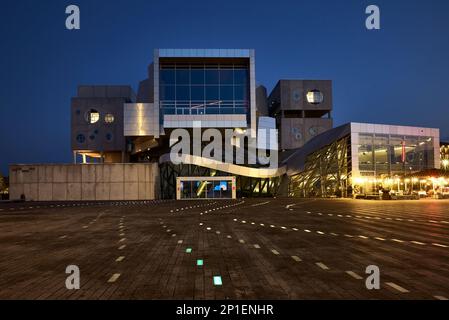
x=382 y=156
x=327 y=172
x=206 y=189
x=198 y=88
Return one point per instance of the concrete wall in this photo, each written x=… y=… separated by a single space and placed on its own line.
x=294 y=94
x=298 y=120
x=261 y=101
x=99 y=136
x=55 y=182
x=295 y=132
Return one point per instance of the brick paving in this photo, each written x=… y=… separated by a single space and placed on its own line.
x=261 y=249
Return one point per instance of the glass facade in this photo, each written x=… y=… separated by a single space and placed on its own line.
x=206 y=189
x=388 y=155
x=326 y=173
x=197 y=89
x=444 y=152
x=383 y=162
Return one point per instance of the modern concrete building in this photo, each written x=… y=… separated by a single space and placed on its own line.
x=302 y=109
x=122 y=141
x=97 y=123
x=361 y=158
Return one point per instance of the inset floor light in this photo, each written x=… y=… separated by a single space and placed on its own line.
x=199 y=262
x=217 y=281
x=189 y=250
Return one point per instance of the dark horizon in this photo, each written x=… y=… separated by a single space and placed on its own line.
x=392 y=76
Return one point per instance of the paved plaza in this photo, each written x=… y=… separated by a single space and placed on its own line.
x=228 y=249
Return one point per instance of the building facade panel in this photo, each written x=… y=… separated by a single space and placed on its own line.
x=302 y=109
x=62 y=187
x=97 y=119
x=139 y=119
x=295 y=132
x=205 y=82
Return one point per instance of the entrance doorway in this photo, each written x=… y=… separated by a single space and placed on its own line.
x=197 y=188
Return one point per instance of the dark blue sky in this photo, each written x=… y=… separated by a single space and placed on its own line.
x=398 y=75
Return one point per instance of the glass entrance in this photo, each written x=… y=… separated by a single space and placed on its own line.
x=206 y=188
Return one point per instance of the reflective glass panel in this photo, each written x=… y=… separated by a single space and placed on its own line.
x=183 y=93
x=182 y=76
x=197 y=76
x=241 y=93
x=168 y=93
x=212 y=93
x=227 y=93
x=197 y=93
x=212 y=77
x=226 y=76
x=240 y=76
x=167 y=77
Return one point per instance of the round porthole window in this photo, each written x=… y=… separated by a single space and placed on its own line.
x=313 y=131
x=109 y=118
x=109 y=136
x=92 y=116
x=297 y=134
x=296 y=95
x=80 y=138
x=315 y=97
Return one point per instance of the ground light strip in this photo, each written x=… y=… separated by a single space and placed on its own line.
x=380 y=218
x=218 y=281
x=350 y=273
x=359 y=236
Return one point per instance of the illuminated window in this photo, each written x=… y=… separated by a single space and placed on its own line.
x=109 y=118
x=315 y=97
x=92 y=116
